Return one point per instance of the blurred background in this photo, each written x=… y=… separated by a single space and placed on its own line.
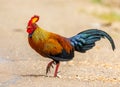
x=20 y=66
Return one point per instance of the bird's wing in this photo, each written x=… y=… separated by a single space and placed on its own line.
x=54 y=49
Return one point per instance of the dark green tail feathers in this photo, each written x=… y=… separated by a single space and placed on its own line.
x=85 y=40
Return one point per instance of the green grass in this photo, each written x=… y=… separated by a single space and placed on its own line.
x=110 y=17
x=97 y=1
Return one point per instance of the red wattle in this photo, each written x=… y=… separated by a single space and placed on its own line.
x=29 y=31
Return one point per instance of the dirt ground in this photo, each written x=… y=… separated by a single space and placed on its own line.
x=20 y=66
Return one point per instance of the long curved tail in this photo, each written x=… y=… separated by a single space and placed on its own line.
x=85 y=40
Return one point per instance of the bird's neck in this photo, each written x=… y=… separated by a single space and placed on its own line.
x=40 y=34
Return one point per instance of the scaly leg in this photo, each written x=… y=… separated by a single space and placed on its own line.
x=56 y=69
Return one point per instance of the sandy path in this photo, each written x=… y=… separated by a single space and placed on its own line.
x=20 y=66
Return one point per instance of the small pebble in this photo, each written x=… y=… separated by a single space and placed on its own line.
x=77 y=77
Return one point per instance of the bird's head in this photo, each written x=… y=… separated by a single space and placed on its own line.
x=32 y=24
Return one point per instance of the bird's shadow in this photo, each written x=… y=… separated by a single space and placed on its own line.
x=33 y=75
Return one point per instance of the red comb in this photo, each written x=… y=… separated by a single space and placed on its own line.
x=35 y=16
x=33 y=19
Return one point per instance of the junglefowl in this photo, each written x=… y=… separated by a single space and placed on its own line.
x=60 y=48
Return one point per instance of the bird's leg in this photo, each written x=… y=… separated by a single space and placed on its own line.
x=49 y=66
x=56 y=69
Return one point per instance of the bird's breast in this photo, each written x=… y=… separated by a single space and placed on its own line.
x=38 y=46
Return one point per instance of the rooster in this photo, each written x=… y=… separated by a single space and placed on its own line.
x=60 y=48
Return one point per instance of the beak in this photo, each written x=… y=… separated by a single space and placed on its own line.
x=28 y=27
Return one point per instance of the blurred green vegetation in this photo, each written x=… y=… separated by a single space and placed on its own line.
x=110 y=17
x=97 y=1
